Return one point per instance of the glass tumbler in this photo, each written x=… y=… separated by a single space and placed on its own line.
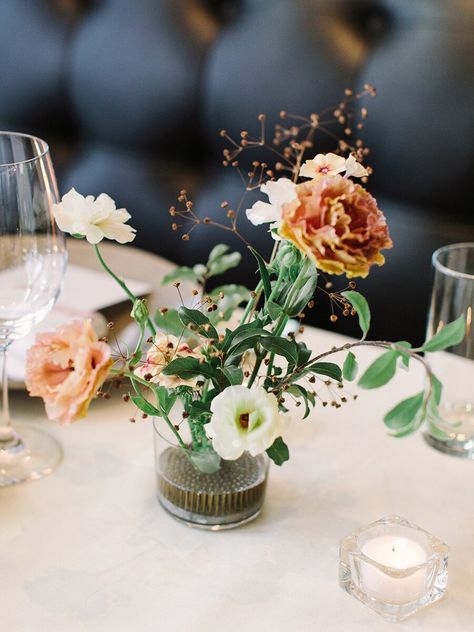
x=453 y=296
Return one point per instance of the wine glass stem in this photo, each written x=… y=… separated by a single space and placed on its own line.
x=6 y=431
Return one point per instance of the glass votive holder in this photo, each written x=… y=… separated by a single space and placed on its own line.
x=394 y=567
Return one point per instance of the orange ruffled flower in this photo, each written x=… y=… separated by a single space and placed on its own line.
x=338 y=225
x=66 y=368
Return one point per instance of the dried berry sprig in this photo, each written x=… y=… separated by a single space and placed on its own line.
x=288 y=144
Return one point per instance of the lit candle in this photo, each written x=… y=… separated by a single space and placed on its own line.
x=394 y=567
x=398 y=553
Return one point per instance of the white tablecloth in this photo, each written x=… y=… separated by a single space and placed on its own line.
x=89 y=549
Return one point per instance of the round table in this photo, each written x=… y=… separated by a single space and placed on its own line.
x=89 y=549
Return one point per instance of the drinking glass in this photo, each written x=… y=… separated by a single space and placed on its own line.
x=32 y=265
x=453 y=296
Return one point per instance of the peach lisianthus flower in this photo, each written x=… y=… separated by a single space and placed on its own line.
x=162 y=351
x=338 y=224
x=66 y=368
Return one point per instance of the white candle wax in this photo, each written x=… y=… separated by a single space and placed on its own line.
x=395 y=552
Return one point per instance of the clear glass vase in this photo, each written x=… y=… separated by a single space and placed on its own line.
x=204 y=491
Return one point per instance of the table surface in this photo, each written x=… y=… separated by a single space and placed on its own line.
x=89 y=548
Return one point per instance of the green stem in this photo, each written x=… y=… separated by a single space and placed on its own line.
x=137 y=354
x=253 y=301
x=276 y=287
x=258 y=362
x=122 y=284
x=134 y=379
x=174 y=431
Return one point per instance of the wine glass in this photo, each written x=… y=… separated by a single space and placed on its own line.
x=32 y=265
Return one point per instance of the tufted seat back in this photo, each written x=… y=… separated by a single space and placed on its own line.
x=132 y=94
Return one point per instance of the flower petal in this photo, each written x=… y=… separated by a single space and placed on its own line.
x=354 y=169
x=262 y=213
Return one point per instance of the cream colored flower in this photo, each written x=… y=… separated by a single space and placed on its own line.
x=323 y=165
x=93 y=218
x=279 y=192
x=354 y=169
x=331 y=165
x=162 y=351
x=245 y=419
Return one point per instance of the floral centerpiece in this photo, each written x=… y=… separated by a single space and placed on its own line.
x=219 y=382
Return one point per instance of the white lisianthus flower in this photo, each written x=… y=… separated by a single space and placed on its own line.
x=279 y=192
x=323 y=165
x=354 y=169
x=245 y=419
x=93 y=218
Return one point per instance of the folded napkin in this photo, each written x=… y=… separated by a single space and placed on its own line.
x=84 y=294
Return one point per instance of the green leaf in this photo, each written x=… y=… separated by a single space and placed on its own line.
x=327 y=368
x=274 y=310
x=451 y=335
x=234 y=374
x=198 y=409
x=304 y=353
x=403 y=354
x=219 y=261
x=404 y=413
x=188 y=368
x=282 y=347
x=359 y=303
x=165 y=398
x=145 y=406
x=183 y=273
x=381 y=371
x=278 y=451
x=301 y=393
x=349 y=368
x=235 y=353
x=170 y=323
x=437 y=389
x=262 y=267
x=243 y=332
x=234 y=295
x=201 y=321
x=216 y=253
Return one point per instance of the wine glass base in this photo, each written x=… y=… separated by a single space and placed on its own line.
x=37 y=455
